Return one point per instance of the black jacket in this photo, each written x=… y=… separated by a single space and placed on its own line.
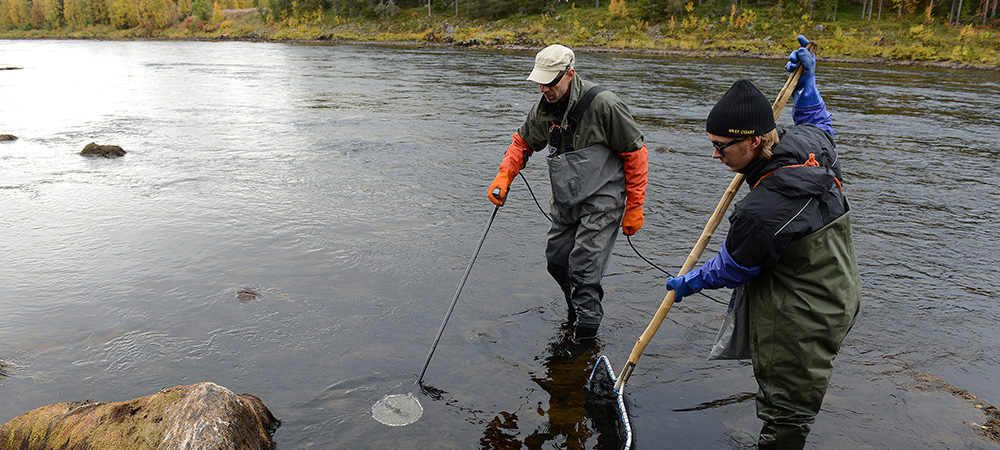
x=789 y=199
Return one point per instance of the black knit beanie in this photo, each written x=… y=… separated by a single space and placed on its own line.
x=743 y=111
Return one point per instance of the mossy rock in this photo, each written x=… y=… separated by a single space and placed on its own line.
x=206 y=414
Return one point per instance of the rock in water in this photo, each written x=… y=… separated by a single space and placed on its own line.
x=107 y=151
x=247 y=295
x=201 y=416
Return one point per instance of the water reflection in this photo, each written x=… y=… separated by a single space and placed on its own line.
x=567 y=364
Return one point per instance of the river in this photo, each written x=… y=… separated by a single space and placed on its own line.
x=346 y=185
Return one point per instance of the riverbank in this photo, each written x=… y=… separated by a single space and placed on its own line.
x=908 y=41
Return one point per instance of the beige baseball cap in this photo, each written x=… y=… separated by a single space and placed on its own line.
x=549 y=62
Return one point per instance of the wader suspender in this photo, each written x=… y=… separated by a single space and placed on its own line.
x=562 y=138
x=584 y=103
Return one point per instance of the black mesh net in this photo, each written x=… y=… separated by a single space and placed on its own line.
x=602 y=381
x=608 y=409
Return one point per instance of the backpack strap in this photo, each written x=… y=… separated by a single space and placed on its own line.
x=584 y=103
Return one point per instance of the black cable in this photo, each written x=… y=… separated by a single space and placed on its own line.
x=535 y=198
x=628 y=238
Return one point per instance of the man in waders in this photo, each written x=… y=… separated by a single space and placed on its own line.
x=789 y=249
x=597 y=167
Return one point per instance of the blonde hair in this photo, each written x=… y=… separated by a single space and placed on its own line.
x=767 y=142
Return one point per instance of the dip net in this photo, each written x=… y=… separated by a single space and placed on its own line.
x=608 y=408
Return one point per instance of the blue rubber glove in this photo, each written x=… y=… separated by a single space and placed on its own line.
x=685 y=285
x=723 y=271
x=805 y=92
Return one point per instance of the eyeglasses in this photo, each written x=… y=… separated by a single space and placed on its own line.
x=720 y=147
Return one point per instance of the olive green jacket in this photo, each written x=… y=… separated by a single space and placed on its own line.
x=606 y=122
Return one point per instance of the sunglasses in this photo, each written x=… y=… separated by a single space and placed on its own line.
x=557 y=79
x=720 y=147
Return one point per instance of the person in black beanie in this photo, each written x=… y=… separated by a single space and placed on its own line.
x=789 y=251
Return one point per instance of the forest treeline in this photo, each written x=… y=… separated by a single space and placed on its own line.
x=161 y=14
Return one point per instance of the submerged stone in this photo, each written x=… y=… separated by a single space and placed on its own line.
x=247 y=295
x=197 y=416
x=107 y=151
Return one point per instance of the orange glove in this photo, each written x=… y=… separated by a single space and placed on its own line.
x=502 y=182
x=513 y=160
x=636 y=165
x=632 y=221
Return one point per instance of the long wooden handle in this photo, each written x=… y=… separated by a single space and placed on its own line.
x=706 y=236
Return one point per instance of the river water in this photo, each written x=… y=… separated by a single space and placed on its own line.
x=346 y=185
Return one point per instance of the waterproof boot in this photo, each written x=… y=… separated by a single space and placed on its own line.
x=585 y=333
x=786 y=436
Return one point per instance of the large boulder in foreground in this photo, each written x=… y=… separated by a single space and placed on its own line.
x=197 y=416
x=107 y=151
